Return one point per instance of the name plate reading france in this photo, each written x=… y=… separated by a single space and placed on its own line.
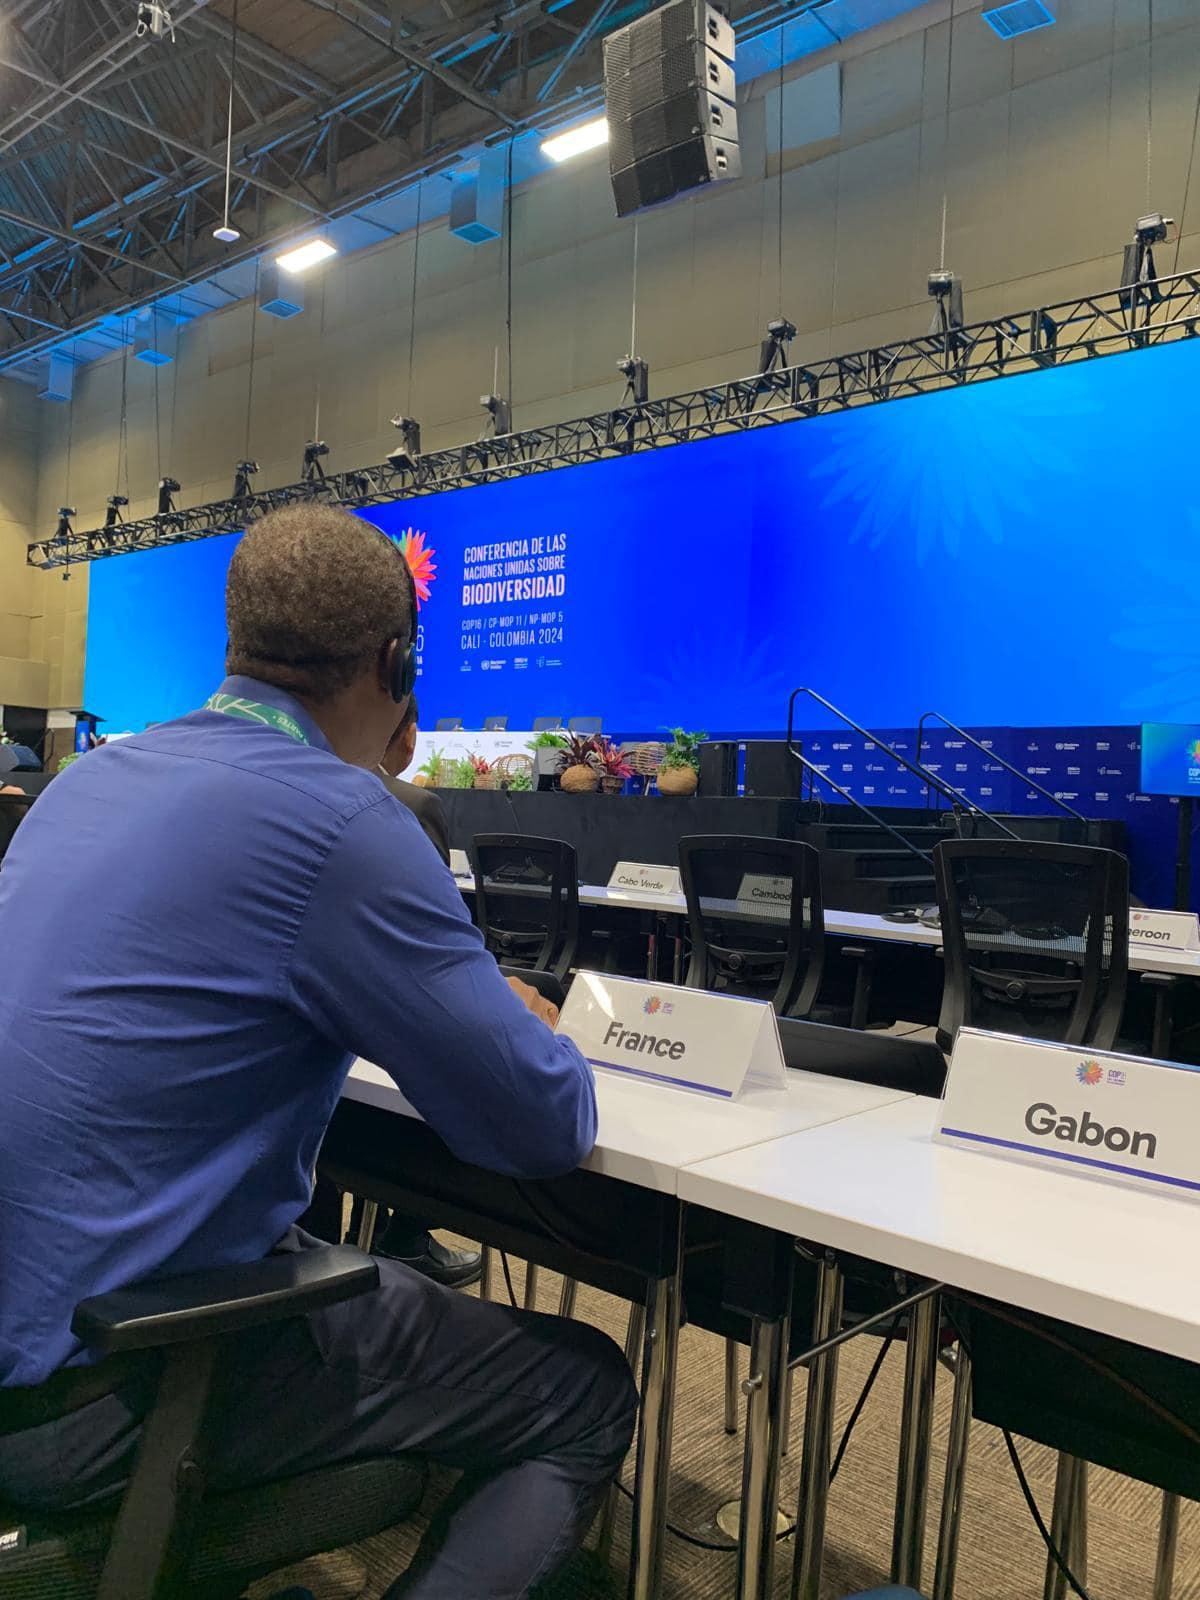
x=642 y=877
x=713 y=1043
x=1165 y=930
x=1118 y=1117
x=460 y=865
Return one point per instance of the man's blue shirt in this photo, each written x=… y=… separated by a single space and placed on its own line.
x=200 y=927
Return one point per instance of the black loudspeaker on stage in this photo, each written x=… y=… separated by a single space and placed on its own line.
x=669 y=93
x=769 y=771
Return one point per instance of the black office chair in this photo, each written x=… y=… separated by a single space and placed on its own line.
x=1036 y=939
x=167 y=1539
x=546 y=724
x=756 y=918
x=585 y=725
x=447 y=725
x=495 y=724
x=12 y=814
x=1088 y=1396
x=527 y=900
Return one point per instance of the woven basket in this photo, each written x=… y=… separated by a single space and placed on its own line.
x=610 y=784
x=506 y=767
x=487 y=780
x=677 y=780
x=646 y=758
x=579 y=779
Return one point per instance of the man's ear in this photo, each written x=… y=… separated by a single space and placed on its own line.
x=387 y=664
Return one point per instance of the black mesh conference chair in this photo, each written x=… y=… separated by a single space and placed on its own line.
x=546 y=724
x=755 y=917
x=168 y=1539
x=1088 y=1396
x=12 y=814
x=527 y=900
x=585 y=725
x=495 y=724
x=1036 y=939
x=447 y=725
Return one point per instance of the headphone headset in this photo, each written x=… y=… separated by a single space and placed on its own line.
x=404 y=663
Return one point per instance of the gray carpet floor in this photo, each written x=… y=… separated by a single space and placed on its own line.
x=1001 y=1556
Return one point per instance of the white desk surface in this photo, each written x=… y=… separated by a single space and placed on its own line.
x=856 y=925
x=648 y=1132
x=1094 y=1254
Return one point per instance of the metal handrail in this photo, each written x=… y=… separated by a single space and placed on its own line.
x=814 y=771
x=957 y=801
x=991 y=754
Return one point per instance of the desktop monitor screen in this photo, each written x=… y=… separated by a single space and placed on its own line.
x=1171 y=758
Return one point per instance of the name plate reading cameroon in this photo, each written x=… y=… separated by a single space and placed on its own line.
x=460 y=864
x=1102 y=1115
x=1164 y=930
x=712 y=1043
x=640 y=876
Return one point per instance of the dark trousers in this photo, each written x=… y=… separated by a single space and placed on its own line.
x=537 y=1412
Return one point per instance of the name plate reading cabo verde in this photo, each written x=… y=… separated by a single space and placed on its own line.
x=713 y=1043
x=460 y=864
x=1103 y=1115
x=639 y=875
x=1165 y=930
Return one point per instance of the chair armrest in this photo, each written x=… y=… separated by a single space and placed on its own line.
x=202 y=1305
x=1160 y=980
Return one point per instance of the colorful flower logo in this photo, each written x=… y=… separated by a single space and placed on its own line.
x=1193 y=751
x=652 y=1005
x=419 y=556
x=1089 y=1072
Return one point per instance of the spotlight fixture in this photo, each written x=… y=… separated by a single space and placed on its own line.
x=773 y=350
x=404 y=456
x=945 y=290
x=113 y=514
x=167 y=487
x=306 y=255
x=586 y=136
x=312 y=471
x=64 y=529
x=154 y=18
x=242 y=474
x=498 y=409
x=636 y=372
x=1138 y=272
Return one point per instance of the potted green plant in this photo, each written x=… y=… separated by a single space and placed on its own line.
x=547 y=739
x=427 y=774
x=483 y=773
x=614 y=766
x=65 y=761
x=519 y=783
x=462 y=773
x=679 y=772
x=578 y=765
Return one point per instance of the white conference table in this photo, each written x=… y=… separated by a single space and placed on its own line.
x=650 y=1135
x=855 y=925
x=1100 y=1255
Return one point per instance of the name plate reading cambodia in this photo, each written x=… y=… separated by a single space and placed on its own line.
x=712 y=1043
x=642 y=877
x=1103 y=1115
x=760 y=888
x=460 y=864
x=1165 y=930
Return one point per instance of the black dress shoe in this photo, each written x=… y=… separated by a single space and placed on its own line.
x=455 y=1269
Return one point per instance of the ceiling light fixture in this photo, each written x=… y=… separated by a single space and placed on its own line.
x=227 y=233
x=586 y=136
x=306 y=255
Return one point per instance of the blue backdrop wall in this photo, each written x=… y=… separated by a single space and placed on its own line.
x=1022 y=553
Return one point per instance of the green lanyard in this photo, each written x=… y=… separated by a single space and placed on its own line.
x=232 y=705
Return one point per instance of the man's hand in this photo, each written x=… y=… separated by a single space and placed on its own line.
x=544 y=1009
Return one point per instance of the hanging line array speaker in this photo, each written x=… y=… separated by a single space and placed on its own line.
x=669 y=92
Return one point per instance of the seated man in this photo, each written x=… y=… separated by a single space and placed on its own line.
x=201 y=926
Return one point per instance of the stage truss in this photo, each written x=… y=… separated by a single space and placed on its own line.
x=1159 y=312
